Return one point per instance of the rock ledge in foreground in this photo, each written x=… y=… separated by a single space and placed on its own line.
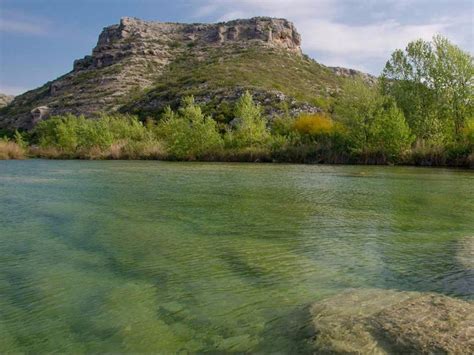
x=393 y=322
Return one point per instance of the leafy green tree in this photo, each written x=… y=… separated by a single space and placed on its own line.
x=71 y=133
x=357 y=109
x=124 y=127
x=250 y=129
x=390 y=133
x=454 y=79
x=188 y=134
x=432 y=83
x=59 y=132
x=374 y=123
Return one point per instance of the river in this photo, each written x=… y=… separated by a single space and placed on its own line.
x=122 y=256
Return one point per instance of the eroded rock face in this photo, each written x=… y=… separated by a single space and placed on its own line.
x=156 y=40
x=352 y=73
x=39 y=113
x=388 y=322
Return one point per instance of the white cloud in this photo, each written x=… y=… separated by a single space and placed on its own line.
x=374 y=40
x=359 y=34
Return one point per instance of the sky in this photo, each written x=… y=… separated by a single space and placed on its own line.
x=40 y=39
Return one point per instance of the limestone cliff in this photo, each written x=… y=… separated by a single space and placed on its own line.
x=133 y=60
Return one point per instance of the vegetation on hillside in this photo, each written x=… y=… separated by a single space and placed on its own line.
x=420 y=112
x=214 y=77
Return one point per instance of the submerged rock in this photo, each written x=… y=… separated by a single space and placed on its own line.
x=461 y=281
x=465 y=252
x=386 y=322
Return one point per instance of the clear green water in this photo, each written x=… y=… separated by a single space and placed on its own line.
x=152 y=256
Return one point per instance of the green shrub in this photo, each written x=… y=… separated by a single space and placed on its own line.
x=20 y=140
x=77 y=136
x=324 y=103
x=188 y=134
x=63 y=132
x=250 y=126
x=375 y=126
x=282 y=126
x=390 y=134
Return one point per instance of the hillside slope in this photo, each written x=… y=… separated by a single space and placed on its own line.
x=140 y=67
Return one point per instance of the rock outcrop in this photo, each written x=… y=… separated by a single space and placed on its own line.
x=5 y=99
x=352 y=73
x=393 y=322
x=158 y=42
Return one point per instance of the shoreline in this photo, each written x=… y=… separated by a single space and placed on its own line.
x=256 y=162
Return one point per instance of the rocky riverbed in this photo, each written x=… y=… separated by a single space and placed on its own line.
x=375 y=321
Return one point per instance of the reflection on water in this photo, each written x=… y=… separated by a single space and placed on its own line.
x=143 y=256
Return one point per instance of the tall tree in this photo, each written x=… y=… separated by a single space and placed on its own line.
x=250 y=127
x=189 y=134
x=432 y=83
x=374 y=122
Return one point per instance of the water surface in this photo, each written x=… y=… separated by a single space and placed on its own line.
x=147 y=256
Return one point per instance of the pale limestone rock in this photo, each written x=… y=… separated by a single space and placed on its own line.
x=393 y=322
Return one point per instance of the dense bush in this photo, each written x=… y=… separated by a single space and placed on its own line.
x=314 y=125
x=71 y=133
x=108 y=136
x=250 y=128
x=188 y=134
x=375 y=126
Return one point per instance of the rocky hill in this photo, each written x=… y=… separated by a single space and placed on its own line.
x=141 y=67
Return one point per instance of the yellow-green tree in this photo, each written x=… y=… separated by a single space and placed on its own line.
x=189 y=134
x=250 y=126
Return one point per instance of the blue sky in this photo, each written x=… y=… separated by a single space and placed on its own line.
x=39 y=39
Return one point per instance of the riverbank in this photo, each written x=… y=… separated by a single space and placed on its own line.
x=296 y=155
